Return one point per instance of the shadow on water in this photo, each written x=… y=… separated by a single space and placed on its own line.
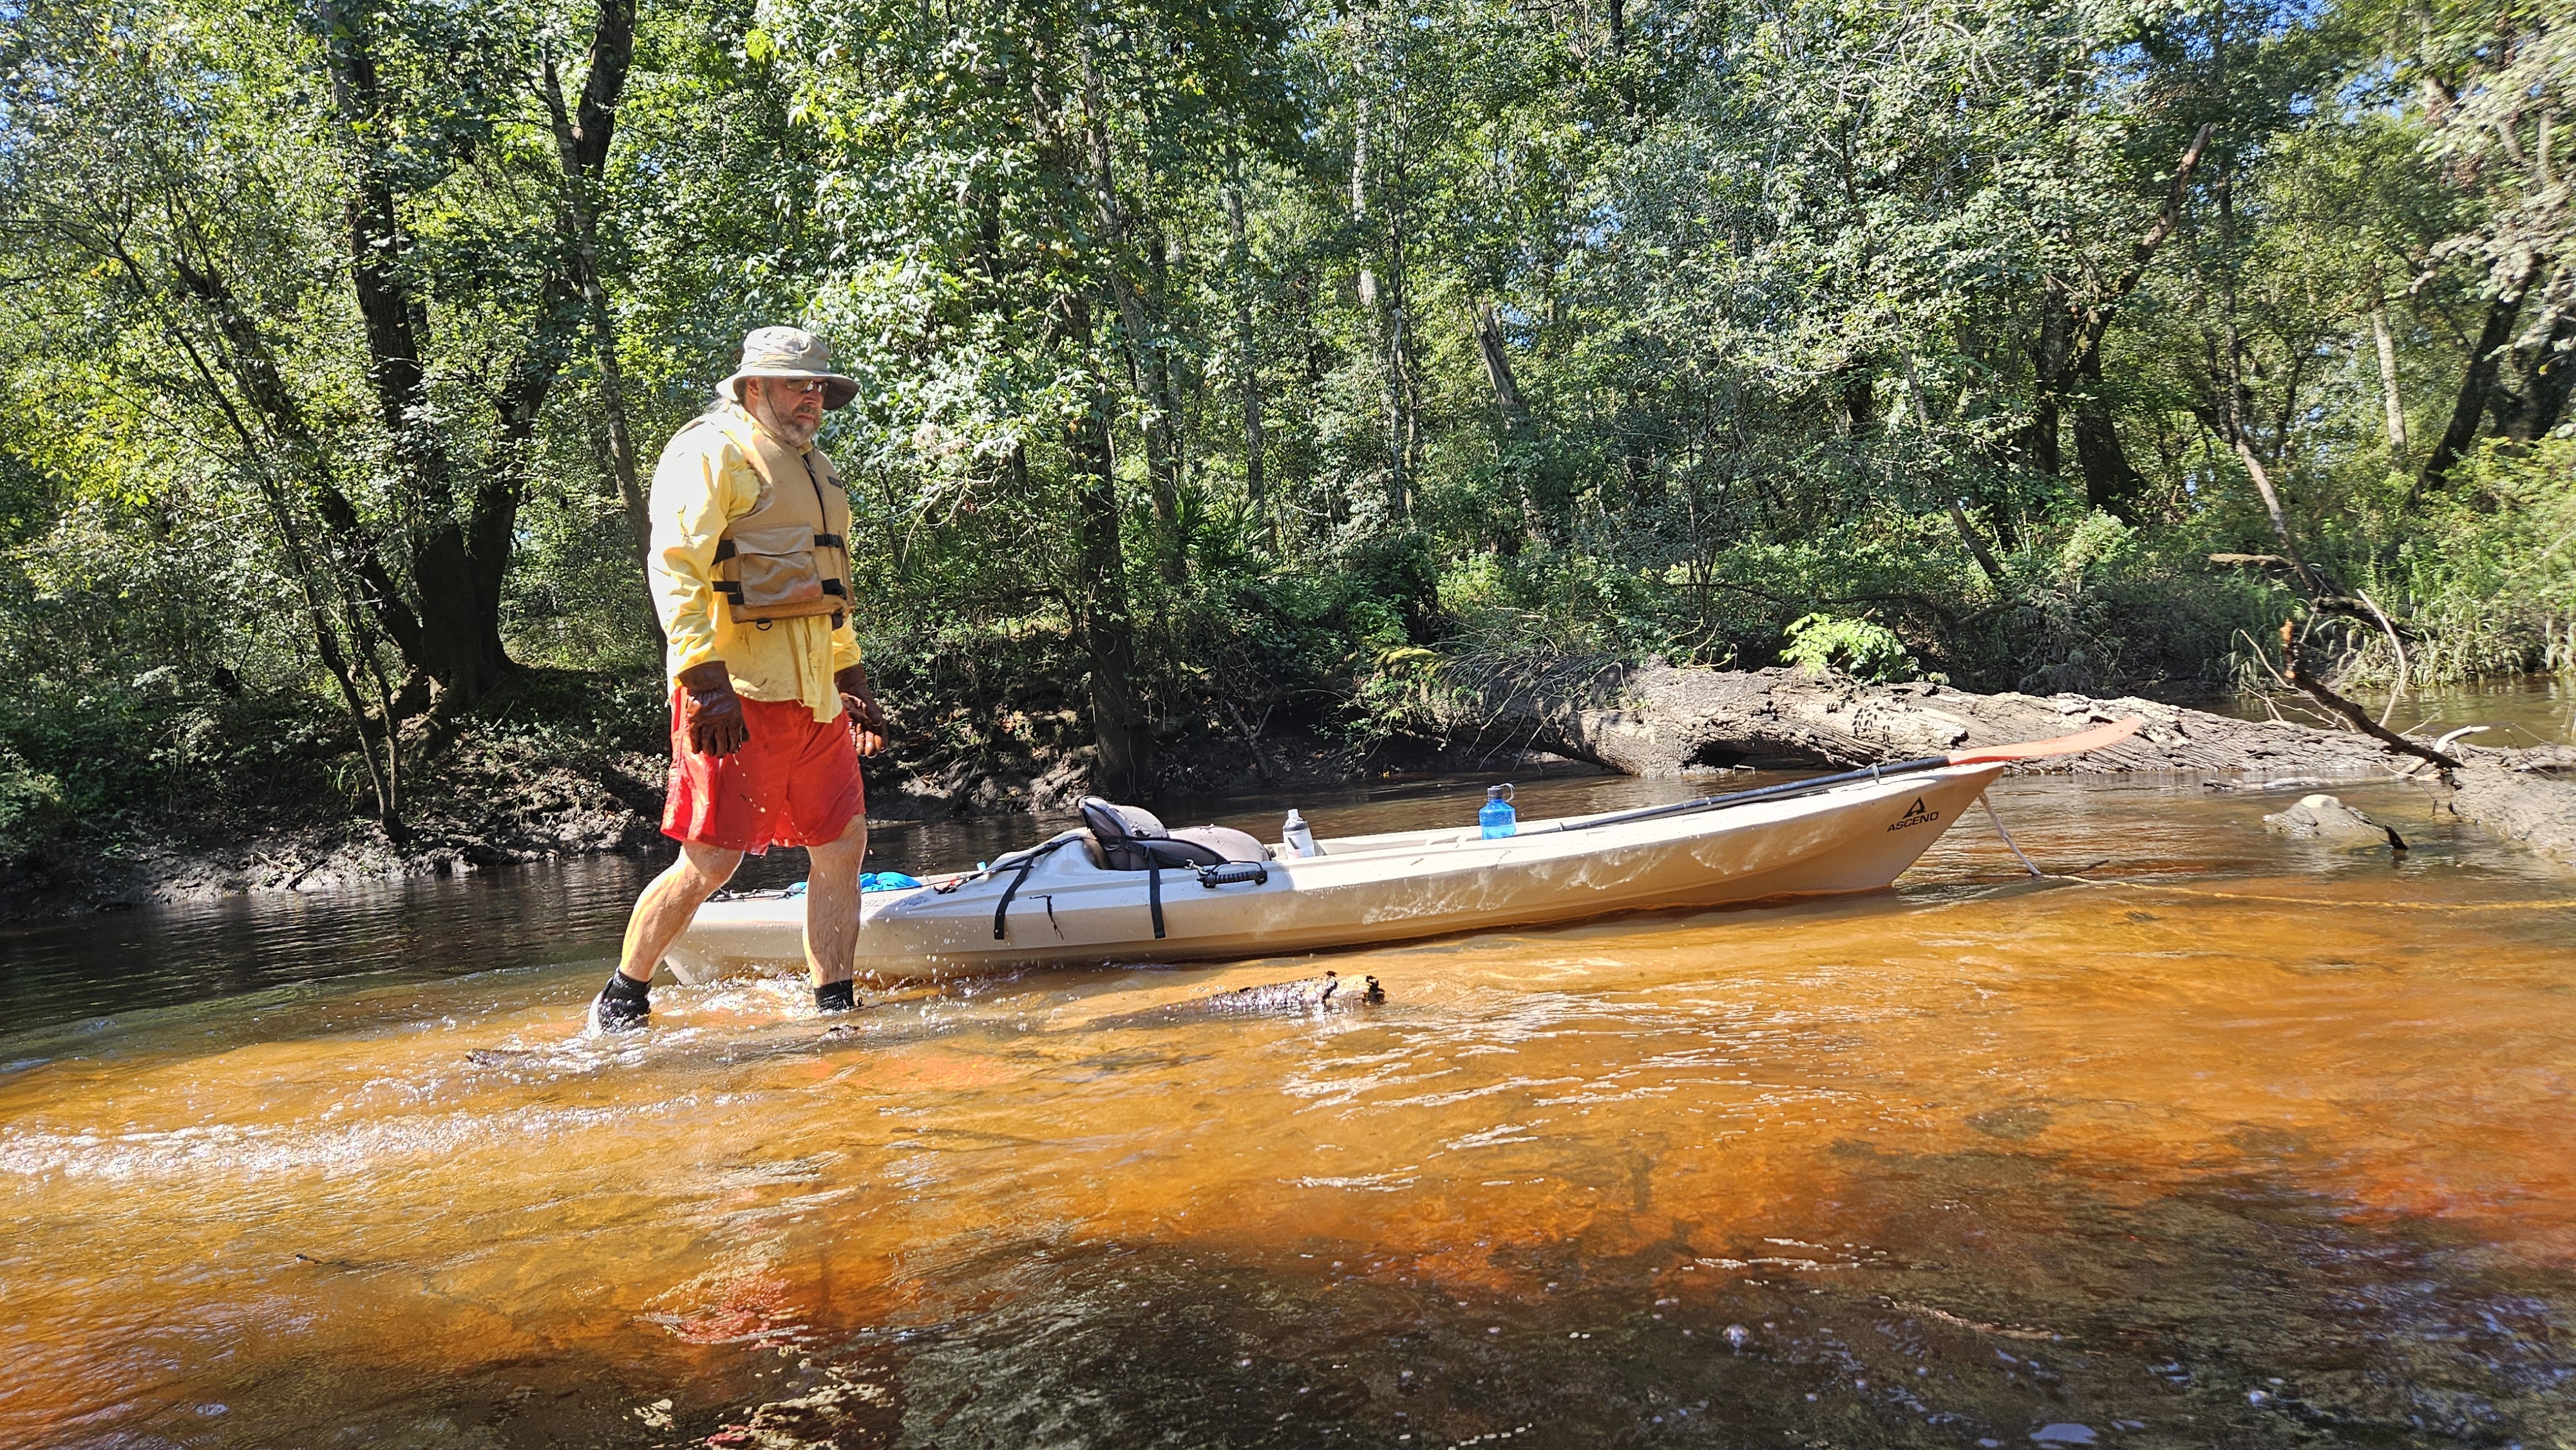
x=2244 y=1312
x=2103 y=1333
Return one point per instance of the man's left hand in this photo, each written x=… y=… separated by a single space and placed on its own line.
x=867 y=722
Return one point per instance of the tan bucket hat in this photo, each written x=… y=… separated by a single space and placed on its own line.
x=789 y=352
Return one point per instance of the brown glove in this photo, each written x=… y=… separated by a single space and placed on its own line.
x=867 y=722
x=714 y=711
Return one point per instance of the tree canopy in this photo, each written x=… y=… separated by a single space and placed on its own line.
x=1226 y=361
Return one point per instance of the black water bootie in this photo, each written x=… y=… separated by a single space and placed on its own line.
x=836 y=997
x=622 y=1006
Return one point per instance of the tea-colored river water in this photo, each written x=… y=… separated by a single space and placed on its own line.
x=2241 y=1142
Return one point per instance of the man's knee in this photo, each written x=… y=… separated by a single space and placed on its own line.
x=852 y=844
x=704 y=869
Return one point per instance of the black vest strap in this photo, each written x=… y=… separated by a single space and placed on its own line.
x=725 y=547
x=732 y=590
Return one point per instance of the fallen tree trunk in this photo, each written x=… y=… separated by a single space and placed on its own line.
x=2523 y=806
x=1657 y=720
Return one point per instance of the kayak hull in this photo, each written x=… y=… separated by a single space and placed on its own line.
x=1366 y=890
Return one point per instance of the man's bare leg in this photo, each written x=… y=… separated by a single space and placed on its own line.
x=661 y=914
x=832 y=907
x=668 y=905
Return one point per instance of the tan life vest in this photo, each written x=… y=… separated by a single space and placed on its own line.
x=789 y=558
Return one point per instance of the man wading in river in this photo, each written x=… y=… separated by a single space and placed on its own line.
x=770 y=710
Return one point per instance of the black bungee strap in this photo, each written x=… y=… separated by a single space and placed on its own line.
x=1002 y=932
x=1020 y=878
x=1232 y=873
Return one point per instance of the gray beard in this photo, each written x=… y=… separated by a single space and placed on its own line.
x=781 y=429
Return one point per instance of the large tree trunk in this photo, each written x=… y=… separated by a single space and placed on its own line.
x=1514 y=417
x=2110 y=484
x=2544 y=365
x=2066 y=360
x=2391 y=399
x=1124 y=766
x=1248 y=363
x=1148 y=370
x=449 y=645
x=2050 y=349
x=458 y=565
x=581 y=227
x=2478 y=377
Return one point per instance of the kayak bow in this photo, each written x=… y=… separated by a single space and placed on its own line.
x=2076 y=744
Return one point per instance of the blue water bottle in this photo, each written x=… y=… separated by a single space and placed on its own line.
x=1498 y=818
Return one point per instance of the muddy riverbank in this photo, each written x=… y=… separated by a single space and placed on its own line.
x=481 y=809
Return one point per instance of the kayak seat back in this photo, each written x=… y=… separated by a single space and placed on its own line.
x=1131 y=838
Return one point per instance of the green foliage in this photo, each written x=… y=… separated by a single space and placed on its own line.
x=31 y=804
x=1243 y=368
x=1821 y=643
x=2492 y=579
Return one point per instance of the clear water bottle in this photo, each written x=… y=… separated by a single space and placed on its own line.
x=1498 y=818
x=1298 y=840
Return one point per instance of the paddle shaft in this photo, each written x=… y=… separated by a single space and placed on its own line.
x=1764 y=793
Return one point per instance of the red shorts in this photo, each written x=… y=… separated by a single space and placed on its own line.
x=795 y=784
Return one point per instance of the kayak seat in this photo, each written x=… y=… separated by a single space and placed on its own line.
x=1131 y=838
x=1226 y=841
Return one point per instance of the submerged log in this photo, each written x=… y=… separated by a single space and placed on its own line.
x=2327 y=819
x=1305 y=998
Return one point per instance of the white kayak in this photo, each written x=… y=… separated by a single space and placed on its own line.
x=1064 y=905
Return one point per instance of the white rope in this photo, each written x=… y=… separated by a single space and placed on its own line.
x=2007 y=835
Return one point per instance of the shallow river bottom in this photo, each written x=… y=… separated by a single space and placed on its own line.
x=2241 y=1142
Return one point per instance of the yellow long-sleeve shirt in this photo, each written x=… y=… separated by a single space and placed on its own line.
x=704 y=482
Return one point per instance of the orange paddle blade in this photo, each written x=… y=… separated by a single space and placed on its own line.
x=2076 y=744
